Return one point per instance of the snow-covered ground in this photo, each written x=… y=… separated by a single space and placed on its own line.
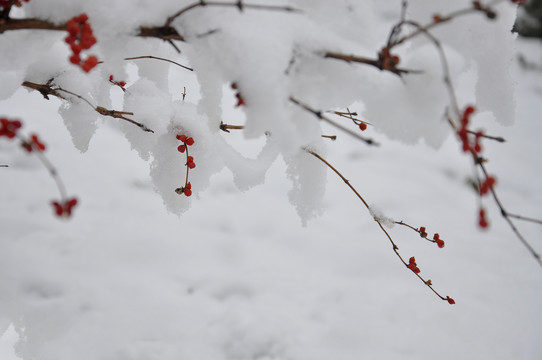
x=238 y=277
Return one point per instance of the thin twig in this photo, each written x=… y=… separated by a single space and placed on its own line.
x=524 y=218
x=372 y=62
x=496 y=138
x=238 y=4
x=158 y=58
x=428 y=283
x=321 y=116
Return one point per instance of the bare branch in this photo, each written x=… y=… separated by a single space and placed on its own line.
x=158 y=58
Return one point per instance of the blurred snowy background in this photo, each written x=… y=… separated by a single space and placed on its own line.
x=238 y=277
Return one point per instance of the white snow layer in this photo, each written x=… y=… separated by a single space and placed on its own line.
x=236 y=277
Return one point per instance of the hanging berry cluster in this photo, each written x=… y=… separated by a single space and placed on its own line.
x=413 y=266
x=240 y=100
x=120 y=84
x=64 y=208
x=33 y=144
x=474 y=148
x=423 y=233
x=9 y=128
x=463 y=133
x=80 y=37
x=190 y=164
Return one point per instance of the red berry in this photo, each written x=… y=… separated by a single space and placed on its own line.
x=89 y=63
x=122 y=83
x=363 y=126
x=440 y=243
x=181 y=148
x=190 y=159
x=240 y=100
x=412 y=260
x=76 y=48
x=191 y=165
x=187 y=192
x=110 y=77
x=58 y=208
x=181 y=137
x=482 y=219
x=450 y=300
x=75 y=59
x=188 y=185
x=469 y=110
x=189 y=141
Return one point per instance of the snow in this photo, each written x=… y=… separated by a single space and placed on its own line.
x=237 y=275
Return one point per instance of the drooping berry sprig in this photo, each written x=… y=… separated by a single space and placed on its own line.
x=423 y=234
x=411 y=264
x=80 y=37
x=33 y=144
x=186 y=189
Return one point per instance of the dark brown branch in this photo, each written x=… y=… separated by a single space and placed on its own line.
x=238 y=4
x=44 y=89
x=166 y=33
x=496 y=138
x=227 y=127
x=29 y=24
x=377 y=63
x=48 y=89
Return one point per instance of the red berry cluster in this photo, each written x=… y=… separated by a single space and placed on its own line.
x=9 y=3
x=187 y=141
x=482 y=221
x=463 y=133
x=436 y=237
x=190 y=164
x=438 y=240
x=487 y=185
x=240 y=100
x=9 y=128
x=121 y=84
x=33 y=144
x=80 y=38
x=413 y=266
x=64 y=209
